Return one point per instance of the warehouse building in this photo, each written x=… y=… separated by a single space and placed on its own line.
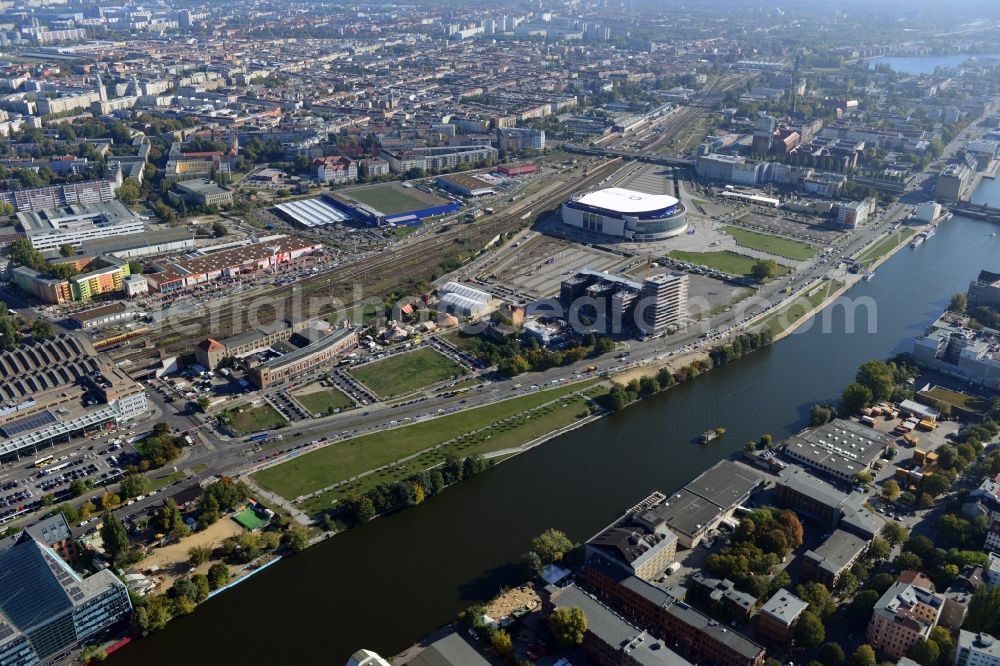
x=465 y=185
x=312 y=213
x=201 y=192
x=458 y=299
x=839 y=449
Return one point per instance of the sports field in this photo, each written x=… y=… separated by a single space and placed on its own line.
x=407 y=372
x=782 y=247
x=393 y=198
x=250 y=518
x=725 y=261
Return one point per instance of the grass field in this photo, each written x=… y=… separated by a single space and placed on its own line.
x=782 y=247
x=254 y=419
x=786 y=316
x=393 y=198
x=325 y=400
x=349 y=458
x=973 y=403
x=725 y=261
x=884 y=247
x=405 y=373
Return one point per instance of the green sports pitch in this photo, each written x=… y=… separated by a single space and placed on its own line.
x=392 y=198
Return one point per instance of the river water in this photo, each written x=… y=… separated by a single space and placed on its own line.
x=924 y=64
x=388 y=583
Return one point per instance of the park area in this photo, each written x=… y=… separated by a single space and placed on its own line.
x=776 y=245
x=496 y=427
x=247 y=419
x=725 y=261
x=318 y=399
x=875 y=252
x=171 y=561
x=405 y=373
x=789 y=314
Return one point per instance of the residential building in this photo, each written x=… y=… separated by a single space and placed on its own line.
x=516 y=139
x=835 y=556
x=335 y=169
x=638 y=541
x=50 y=290
x=991 y=573
x=953 y=183
x=201 y=192
x=721 y=595
x=610 y=640
x=47 y=607
x=903 y=616
x=779 y=616
x=854 y=214
x=985 y=290
x=977 y=649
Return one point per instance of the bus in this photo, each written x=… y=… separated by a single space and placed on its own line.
x=43 y=461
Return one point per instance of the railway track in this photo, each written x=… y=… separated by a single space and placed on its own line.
x=408 y=262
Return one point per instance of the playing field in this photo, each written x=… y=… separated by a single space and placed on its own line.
x=250 y=518
x=405 y=373
x=393 y=198
x=782 y=247
x=725 y=261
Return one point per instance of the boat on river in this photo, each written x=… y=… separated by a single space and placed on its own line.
x=709 y=435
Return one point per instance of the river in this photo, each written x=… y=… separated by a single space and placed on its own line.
x=925 y=64
x=388 y=583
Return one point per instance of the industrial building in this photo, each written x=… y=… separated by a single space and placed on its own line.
x=985 y=290
x=75 y=224
x=461 y=300
x=813 y=498
x=183 y=273
x=391 y=203
x=639 y=541
x=47 y=608
x=839 y=449
x=952 y=348
x=201 y=192
x=953 y=183
x=101 y=316
x=299 y=361
x=627 y=215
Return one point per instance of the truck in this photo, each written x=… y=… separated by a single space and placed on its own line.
x=257 y=437
x=868 y=421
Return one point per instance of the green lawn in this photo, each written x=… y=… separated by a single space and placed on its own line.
x=343 y=460
x=973 y=403
x=164 y=481
x=884 y=247
x=324 y=401
x=725 y=261
x=789 y=314
x=391 y=199
x=248 y=420
x=407 y=372
x=782 y=247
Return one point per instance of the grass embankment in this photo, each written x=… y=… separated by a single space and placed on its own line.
x=323 y=401
x=407 y=372
x=884 y=247
x=782 y=247
x=511 y=423
x=246 y=420
x=789 y=314
x=725 y=261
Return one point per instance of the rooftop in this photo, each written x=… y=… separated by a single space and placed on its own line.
x=784 y=607
x=622 y=200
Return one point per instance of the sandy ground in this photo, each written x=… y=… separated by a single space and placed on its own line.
x=675 y=363
x=173 y=559
x=508 y=602
x=315 y=387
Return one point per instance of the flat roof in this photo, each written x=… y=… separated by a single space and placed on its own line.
x=838 y=551
x=726 y=483
x=784 y=606
x=621 y=200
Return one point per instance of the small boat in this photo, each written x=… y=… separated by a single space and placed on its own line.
x=869 y=275
x=993 y=234
x=709 y=435
x=930 y=232
x=917 y=241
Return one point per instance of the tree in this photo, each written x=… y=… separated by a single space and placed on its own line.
x=71 y=515
x=890 y=489
x=87 y=510
x=218 y=575
x=23 y=253
x=551 y=545
x=77 y=487
x=894 y=533
x=129 y=191
x=298 y=537
x=935 y=484
x=209 y=511
x=169 y=516
x=864 y=656
x=809 y=632
x=219 y=229
x=878 y=377
x=925 y=653
x=501 y=643
x=110 y=500
x=134 y=267
x=114 y=536
x=854 y=398
x=863 y=478
x=201 y=587
x=357 y=509
x=831 y=654
x=568 y=625
x=764 y=269
x=984 y=611
x=879 y=549
x=532 y=564
x=67 y=250
x=959 y=303
x=134 y=485
x=198 y=555
x=863 y=603
x=819 y=414
x=820 y=601
x=847 y=584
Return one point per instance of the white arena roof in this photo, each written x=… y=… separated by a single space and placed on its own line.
x=313 y=212
x=622 y=200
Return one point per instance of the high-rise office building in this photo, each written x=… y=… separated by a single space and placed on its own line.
x=663 y=302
